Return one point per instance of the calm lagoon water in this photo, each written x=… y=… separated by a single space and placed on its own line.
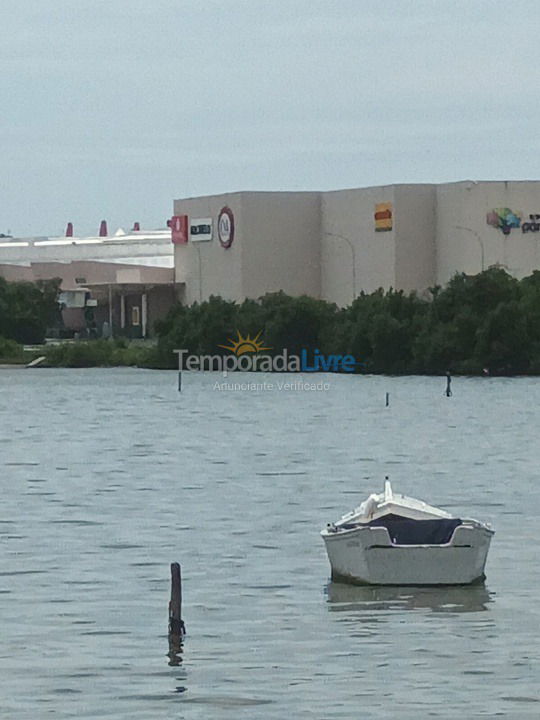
x=107 y=476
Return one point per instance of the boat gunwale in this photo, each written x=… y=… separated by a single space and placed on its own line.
x=468 y=523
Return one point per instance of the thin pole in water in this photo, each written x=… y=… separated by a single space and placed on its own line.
x=387 y=400
x=180 y=355
x=448 y=383
x=177 y=629
x=176 y=624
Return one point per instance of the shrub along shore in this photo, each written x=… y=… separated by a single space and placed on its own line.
x=486 y=323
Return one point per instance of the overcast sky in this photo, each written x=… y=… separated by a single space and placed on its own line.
x=113 y=108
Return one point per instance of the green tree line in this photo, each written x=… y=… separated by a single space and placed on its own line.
x=27 y=309
x=488 y=322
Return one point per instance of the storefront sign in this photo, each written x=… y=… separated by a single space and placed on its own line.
x=383 y=217
x=179 y=229
x=531 y=225
x=201 y=230
x=226 y=227
x=505 y=219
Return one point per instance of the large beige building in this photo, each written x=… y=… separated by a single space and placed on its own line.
x=337 y=244
x=275 y=246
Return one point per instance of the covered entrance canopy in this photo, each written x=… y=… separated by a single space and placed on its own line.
x=119 y=298
x=133 y=300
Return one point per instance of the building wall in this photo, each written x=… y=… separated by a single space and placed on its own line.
x=206 y=267
x=415 y=216
x=327 y=245
x=354 y=257
x=280 y=244
x=83 y=273
x=275 y=247
x=466 y=243
x=76 y=274
x=16 y=273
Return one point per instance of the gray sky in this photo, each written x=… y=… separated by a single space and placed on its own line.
x=112 y=108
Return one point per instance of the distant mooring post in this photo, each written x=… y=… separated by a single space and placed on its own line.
x=387 y=402
x=448 y=383
x=180 y=355
x=177 y=629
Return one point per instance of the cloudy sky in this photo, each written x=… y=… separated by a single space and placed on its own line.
x=112 y=108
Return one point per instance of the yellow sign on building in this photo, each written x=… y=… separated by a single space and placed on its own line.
x=383 y=217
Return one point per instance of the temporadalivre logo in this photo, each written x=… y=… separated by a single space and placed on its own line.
x=248 y=353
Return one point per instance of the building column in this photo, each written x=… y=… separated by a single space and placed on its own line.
x=111 y=311
x=122 y=311
x=144 y=313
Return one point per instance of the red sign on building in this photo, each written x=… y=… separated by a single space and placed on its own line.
x=179 y=229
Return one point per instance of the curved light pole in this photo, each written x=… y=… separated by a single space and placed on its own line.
x=200 y=270
x=477 y=236
x=349 y=243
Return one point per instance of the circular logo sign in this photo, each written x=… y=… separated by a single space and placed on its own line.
x=226 y=227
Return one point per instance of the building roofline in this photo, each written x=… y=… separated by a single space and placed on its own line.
x=240 y=193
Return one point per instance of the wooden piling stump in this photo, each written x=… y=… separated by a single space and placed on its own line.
x=176 y=624
x=177 y=629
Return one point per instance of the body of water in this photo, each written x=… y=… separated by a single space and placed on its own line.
x=108 y=476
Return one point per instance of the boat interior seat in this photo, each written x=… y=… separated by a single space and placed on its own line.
x=404 y=531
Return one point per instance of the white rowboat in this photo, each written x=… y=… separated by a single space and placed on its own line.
x=392 y=539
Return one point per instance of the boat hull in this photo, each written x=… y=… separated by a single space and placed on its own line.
x=366 y=556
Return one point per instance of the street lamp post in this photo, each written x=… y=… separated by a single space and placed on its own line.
x=349 y=243
x=477 y=236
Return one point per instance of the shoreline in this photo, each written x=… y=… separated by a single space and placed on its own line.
x=44 y=366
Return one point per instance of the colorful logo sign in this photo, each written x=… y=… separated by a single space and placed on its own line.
x=226 y=227
x=504 y=219
x=383 y=217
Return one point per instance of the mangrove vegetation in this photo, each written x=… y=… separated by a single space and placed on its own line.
x=482 y=324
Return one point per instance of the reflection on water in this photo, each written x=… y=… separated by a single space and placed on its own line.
x=453 y=599
x=176 y=650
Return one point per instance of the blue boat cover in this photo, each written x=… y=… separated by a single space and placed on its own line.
x=404 y=531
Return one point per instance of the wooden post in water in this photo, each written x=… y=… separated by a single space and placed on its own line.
x=180 y=353
x=177 y=629
x=176 y=624
x=387 y=400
